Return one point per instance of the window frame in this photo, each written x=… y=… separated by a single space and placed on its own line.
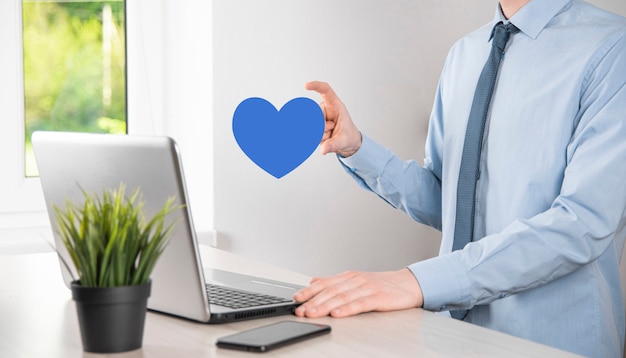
x=22 y=202
x=152 y=26
x=20 y=195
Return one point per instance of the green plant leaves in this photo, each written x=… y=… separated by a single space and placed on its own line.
x=108 y=239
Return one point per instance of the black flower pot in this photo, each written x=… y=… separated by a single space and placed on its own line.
x=111 y=319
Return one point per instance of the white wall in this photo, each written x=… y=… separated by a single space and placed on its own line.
x=616 y=6
x=192 y=61
x=169 y=47
x=383 y=58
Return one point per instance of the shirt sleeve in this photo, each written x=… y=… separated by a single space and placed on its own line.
x=405 y=185
x=585 y=220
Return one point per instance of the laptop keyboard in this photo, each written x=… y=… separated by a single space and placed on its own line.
x=233 y=298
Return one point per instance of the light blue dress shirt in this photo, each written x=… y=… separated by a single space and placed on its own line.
x=551 y=199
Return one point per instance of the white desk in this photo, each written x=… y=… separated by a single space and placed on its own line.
x=38 y=319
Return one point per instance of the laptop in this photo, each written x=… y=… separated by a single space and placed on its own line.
x=181 y=286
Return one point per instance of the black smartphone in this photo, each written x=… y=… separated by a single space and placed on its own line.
x=265 y=338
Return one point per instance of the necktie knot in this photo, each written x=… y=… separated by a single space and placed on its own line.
x=500 y=35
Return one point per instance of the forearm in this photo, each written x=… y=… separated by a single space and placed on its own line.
x=527 y=254
x=405 y=185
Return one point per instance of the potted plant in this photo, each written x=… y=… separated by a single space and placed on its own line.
x=114 y=249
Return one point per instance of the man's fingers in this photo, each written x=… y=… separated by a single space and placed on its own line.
x=329 y=293
x=341 y=305
x=324 y=89
x=354 y=307
x=317 y=285
x=327 y=146
x=317 y=86
x=329 y=126
x=323 y=108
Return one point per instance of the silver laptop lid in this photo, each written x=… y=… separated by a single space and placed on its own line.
x=69 y=161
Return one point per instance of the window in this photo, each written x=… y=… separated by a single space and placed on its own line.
x=74 y=68
x=159 y=64
x=63 y=68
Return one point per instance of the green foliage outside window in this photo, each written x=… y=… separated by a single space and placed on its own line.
x=74 y=68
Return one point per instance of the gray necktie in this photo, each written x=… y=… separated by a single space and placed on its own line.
x=469 y=171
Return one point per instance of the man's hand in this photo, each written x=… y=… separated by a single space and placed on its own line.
x=340 y=134
x=351 y=293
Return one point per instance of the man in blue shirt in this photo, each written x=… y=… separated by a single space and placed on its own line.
x=551 y=200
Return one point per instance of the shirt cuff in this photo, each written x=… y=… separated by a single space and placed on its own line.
x=443 y=282
x=369 y=160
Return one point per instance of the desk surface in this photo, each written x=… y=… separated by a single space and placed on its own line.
x=38 y=319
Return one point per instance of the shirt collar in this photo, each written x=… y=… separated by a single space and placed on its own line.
x=534 y=16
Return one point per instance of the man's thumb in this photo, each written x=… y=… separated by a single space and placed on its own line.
x=327 y=146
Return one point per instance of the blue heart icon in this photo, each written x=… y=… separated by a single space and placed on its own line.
x=278 y=141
